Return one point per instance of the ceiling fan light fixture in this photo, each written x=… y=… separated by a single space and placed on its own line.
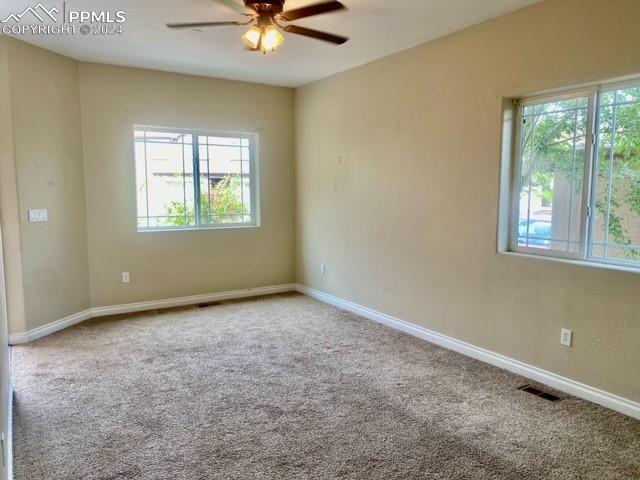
x=265 y=39
x=271 y=39
x=252 y=37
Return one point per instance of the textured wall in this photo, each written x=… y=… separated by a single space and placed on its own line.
x=398 y=170
x=9 y=208
x=5 y=374
x=48 y=159
x=178 y=263
x=8 y=197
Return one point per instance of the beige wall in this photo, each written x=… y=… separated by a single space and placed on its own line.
x=7 y=194
x=59 y=268
x=172 y=264
x=5 y=373
x=9 y=209
x=48 y=157
x=398 y=169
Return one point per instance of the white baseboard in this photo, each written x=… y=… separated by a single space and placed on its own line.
x=586 y=392
x=49 y=328
x=191 y=300
x=36 y=333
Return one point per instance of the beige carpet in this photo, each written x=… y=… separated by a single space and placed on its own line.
x=285 y=387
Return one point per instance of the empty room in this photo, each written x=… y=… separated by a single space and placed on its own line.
x=320 y=239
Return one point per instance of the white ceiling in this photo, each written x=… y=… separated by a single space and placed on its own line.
x=377 y=28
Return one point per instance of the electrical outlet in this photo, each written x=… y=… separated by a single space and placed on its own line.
x=323 y=269
x=125 y=277
x=565 y=337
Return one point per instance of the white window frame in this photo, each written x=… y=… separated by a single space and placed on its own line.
x=585 y=254
x=254 y=177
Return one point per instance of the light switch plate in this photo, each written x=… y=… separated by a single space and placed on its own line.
x=37 y=215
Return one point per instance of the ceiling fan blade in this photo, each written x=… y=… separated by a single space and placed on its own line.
x=318 y=35
x=315 y=9
x=233 y=5
x=202 y=24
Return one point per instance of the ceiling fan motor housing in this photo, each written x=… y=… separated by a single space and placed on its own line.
x=272 y=7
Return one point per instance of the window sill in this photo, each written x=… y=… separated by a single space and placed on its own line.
x=196 y=229
x=580 y=263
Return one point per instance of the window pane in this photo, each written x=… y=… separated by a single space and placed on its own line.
x=552 y=161
x=224 y=141
x=164 y=179
x=225 y=182
x=628 y=95
x=616 y=223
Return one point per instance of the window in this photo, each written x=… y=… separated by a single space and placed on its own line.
x=188 y=179
x=577 y=175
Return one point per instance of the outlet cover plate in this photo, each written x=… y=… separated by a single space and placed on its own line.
x=566 y=336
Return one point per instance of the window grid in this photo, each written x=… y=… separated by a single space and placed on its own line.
x=533 y=131
x=146 y=178
x=623 y=169
x=244 y=216
x=208 y=173
x=573 y=174
x=184 y=181
x=242 y=211
x=610 y=185
x=197 y=205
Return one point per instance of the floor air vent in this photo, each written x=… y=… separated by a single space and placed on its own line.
x=210 y=304
x=539 y=393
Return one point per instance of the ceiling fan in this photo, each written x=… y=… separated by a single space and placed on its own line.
x=267 y=17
